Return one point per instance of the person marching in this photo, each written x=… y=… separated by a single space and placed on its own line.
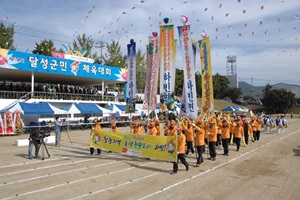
x=238 y=132
x=135 y=128
x=180 y=151
x=152 y=129
x=171 y=129
x=279 y=124
x=254 y=125
x=199 y=141
x=189 y=134
x=211 y=132
x=259 y=128
x=96 y=126
x=225 y=134
x=247 y=130
x=114 y=127
x=158 y=127
x=232 y=124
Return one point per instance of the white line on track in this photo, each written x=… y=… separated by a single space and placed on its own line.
x=58 y=173
x=77 y=181
x=46 y=167
x=209 y=170
x=26 y=163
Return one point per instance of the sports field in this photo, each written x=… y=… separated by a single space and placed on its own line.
x=269 y=169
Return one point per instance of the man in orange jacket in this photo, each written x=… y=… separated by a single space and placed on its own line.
x=180 y=151
x=225 y=134
x=189 y=134
x=212 y=139
x=199 y=141
x=238 y=132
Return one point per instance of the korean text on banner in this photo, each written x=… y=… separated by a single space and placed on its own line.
x=162 y=147
x=167 y=67
x=207 y=82
x=189 y=73
x=131 y=82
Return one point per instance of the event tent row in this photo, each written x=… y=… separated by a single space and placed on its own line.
x=48 y=109
x=235 y=109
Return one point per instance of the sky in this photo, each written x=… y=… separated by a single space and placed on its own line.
x=263 y=34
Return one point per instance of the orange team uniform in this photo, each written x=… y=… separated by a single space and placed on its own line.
x=189 y=134
x=259 y=124
x=135 y=129
x=231 y=126
x=212 y=137
x=97 y=126
x=171 y=132
x=158 y=129
x=181 y=143
x=225 y=132
x=200 y=135
x=114 y=127
x=152 y=129
x=238 y=132
x=254 y=124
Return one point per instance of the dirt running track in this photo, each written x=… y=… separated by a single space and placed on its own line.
x=269 y=169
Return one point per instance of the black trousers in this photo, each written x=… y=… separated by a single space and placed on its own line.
x=254 y=135
x=225 y=145
x=212 y=149
x=246 y=138
x=189 y=146
x=92 y=151
x=200 y=150
x=219 y=139
x=257 y=135
x=182 y=160
x=237 y=141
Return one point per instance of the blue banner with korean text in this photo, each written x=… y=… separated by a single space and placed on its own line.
x=189 y=82
x=131 y=82
x=10 y=59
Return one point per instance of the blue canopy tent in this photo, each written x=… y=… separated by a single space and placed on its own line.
x=120 y=110
x=84 y=108
x=230 y=109
x=34 y=109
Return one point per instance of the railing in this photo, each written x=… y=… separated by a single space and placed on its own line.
x=60 y=96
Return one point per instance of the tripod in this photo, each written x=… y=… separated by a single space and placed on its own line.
x=44 y=147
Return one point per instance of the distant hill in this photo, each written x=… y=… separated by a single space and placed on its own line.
x=256 y=91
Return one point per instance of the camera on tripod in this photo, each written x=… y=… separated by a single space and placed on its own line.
x=42 y=134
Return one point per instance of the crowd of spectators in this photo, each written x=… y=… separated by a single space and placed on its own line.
x=52 y=90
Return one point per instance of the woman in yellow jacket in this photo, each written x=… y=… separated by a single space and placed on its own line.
x=212 y=132
x=199 y=141
x=180 y=151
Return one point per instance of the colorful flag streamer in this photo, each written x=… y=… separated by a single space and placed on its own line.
x=131 y=82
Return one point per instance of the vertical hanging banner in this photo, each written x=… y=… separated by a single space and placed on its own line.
x=150 y=97
x=131 y=82
x=189 y=82
x=207 y=82
x=167 y=66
